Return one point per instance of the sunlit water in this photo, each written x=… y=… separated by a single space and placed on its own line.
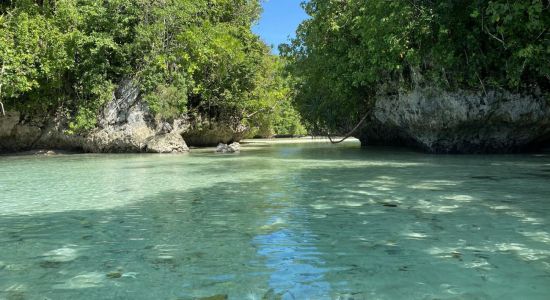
x=275 y=222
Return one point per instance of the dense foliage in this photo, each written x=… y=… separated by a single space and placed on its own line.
x=349 y=51
x=275 y=114
x=188 y=56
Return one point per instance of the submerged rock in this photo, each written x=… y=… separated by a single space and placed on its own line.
x=82 y=281
x=215 y=297
x=16 y=292
x=232 y=148
x=404 y=269
x=16 y=267
x=271 y=295
x=456 y=255
x=347 y=296
x=60 y=255
x=114 y=275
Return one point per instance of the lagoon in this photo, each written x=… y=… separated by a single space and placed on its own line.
x=277 y=221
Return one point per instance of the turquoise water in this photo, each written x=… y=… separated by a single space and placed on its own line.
x=275 y=222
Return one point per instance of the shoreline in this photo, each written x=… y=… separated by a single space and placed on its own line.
x=247 y=143
x=298 y=140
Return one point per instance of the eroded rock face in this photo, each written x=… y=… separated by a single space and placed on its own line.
x=125 y=124
x=460 y=122
x=167 y=143
x=8 y=123
x=211 y=134
x=11 y=130
x=18 y=133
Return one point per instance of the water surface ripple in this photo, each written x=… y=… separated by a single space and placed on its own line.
x=275 y=222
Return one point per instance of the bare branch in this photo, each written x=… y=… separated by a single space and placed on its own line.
x=538 y=37
x=482 y=84
x=269 y=109
x=496 y=37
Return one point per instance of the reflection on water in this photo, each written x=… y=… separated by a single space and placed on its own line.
x=282 y=222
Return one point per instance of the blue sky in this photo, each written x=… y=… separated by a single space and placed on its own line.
x=279 y=21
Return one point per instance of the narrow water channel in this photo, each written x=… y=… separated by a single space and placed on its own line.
x=286 y=221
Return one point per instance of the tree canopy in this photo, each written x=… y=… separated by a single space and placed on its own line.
x=350 y=51
x=198 y=57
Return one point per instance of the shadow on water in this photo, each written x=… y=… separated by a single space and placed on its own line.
x=175 y=245
x=172 y=246
x=355 y=231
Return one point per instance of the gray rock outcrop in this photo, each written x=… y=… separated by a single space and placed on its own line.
x=433 y=120
x=231 y=148
x=19 y=133
x=125 y=124
x=459 y=122
x=206 y=133
x=167 y=143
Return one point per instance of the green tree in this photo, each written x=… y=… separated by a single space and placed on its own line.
x=271 y=111
x=30 y=53
x=198 y=57
x=350 y=52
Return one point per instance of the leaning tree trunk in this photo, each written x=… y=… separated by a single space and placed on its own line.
x=347 y=136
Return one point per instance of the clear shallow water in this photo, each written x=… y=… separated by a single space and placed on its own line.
x=275 y=222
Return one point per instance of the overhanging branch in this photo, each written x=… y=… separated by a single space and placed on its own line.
x=349 y=134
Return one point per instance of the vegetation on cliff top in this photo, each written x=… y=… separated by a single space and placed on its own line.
x=197 y=57
x=350 y=51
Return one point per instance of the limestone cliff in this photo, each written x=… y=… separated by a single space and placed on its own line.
x=125 y=124
x=460 y=121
